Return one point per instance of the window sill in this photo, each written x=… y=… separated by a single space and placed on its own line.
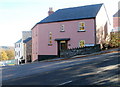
x=62 y=31
x=81 y=30
x=49 y=44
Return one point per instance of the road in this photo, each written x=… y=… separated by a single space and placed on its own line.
x=92 y=70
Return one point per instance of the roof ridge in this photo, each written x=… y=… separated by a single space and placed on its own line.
x=28 y=39
x=19 y=41
x=80 y=12
x=117 y=13
x=82 y=6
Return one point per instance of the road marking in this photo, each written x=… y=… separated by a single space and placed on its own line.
x=65 y=83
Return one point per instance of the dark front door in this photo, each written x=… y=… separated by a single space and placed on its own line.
x=62 y=45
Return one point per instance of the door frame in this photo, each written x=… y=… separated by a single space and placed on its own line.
x=58 y=44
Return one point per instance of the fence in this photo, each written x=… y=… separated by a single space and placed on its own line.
x=79 y=51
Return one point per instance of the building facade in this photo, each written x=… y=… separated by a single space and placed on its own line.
x=116 y=21
x=69 y=28
x=19 y=47
x=19 y=51
x=115 y=33
x=28 y=50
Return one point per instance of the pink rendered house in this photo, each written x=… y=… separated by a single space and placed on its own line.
x=69 y=28
x=116 y=21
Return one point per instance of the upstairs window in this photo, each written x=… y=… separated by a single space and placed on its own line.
x=81 y=26
x=62 y=28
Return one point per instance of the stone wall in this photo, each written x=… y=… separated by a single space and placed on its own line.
x=79 y=51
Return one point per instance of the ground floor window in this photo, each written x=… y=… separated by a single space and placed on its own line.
x=50 y=39
x=82 y=43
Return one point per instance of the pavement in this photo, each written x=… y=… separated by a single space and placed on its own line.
x=9 y=72
x=93 y=70
x=86 y=55
x=78 y=56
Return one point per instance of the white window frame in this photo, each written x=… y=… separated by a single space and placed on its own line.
x=62 y=28
x=79 y=26
x=80 y=41
x=87 y=45
x=50 y=39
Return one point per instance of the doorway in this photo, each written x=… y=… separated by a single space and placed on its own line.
x=62 y=44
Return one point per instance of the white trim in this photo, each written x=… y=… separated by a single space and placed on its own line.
x=62 y=28
x=79 y=25
x=81 y=30
x=89 y=44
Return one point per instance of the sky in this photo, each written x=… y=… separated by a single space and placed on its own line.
x=21 y=15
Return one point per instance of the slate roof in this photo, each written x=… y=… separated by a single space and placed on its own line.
x=117 y=14
x=19 y=41
x=74 y=13
x=28 y=39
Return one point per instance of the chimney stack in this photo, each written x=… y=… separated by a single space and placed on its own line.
x=50 y=11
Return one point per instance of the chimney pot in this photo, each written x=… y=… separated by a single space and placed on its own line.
x=50 y=11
